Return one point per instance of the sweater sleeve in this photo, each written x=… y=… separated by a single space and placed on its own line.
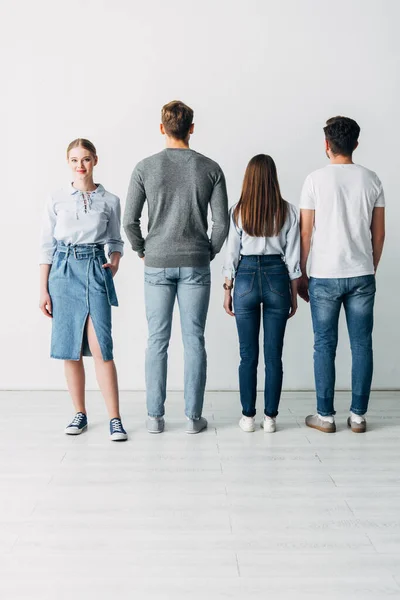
x=133 y=211
x=48 y=242
x=219 y=214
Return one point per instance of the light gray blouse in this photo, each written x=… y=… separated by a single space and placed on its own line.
x=76 y=217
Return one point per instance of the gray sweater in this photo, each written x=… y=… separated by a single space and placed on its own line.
x=178 y=185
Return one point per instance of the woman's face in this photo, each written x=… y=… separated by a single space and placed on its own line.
x=81 y=162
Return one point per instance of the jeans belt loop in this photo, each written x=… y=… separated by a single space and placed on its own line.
x=94 y=251
x=66 y=254
x=75 y=251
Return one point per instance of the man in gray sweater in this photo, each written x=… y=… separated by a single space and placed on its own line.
x=179 y=185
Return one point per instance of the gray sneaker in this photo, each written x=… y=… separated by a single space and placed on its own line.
x=316 y=422
x=196 y=425
x=357 y=427
x=155 y=425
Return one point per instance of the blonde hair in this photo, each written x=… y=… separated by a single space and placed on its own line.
x=83 y=143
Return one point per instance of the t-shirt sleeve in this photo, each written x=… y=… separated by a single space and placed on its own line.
x=307 y=198
x=380 y=199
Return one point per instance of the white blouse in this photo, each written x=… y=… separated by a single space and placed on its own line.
x=76 y=217
x=286 y=243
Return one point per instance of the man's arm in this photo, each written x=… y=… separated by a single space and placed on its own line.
x=133 y=211
x=306 y=228
x=219 y=214
x=377 y=234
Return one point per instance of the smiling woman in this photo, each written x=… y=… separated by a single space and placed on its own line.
x=77 y=288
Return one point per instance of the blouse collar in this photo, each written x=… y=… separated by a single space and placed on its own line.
x=99 y=189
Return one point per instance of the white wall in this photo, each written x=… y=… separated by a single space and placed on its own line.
x=261 y=75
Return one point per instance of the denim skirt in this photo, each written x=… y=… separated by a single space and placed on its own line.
x=79 y=287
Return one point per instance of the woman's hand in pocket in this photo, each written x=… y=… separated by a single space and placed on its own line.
x=113 y=268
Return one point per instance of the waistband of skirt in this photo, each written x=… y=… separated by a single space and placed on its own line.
x=81 y=250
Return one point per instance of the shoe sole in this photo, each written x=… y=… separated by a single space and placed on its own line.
x=357 y=427
x=118 y=437
x=71 y=431
x=323 y=429
x=158 y=431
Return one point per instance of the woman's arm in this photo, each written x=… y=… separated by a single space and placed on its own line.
x=292 y=257
x=47 y=248
x=44 y=299
x=232 y=255
x=114 y=241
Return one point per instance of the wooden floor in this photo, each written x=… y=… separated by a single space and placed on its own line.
x=293 y=515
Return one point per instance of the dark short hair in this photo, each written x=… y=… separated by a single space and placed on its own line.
x=177 y=118
x=342 y=134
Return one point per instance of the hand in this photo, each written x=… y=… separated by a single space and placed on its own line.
x=302 y=288
x=45 y=304
x=113 y=268
x=228 y=303
x=293 y=307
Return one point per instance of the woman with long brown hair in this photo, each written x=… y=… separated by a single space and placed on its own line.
x=263 y=258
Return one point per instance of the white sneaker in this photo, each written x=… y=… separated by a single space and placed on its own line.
x=247 y=424
x=269 y=424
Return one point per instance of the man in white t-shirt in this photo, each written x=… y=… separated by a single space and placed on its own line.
x=342 y=210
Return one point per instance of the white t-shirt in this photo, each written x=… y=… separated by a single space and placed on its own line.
x=343 y=197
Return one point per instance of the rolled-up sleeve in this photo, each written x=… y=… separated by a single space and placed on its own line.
x=114 y=240
x=292 y=249
x=48 y=242
x=232 y=250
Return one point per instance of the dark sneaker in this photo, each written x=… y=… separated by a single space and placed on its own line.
x=78 y=424
x=316 y=422
x=357 y=423
x=196 y=425
x=117 y=432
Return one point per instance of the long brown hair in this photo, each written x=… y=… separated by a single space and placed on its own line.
x=261 y=207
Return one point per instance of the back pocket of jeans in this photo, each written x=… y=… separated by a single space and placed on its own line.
x=154 y=275
x=278 y=284
x=244 y=283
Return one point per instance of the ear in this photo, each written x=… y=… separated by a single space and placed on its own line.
x=356 y=146
x=96 y=160
x=162 y=130
x=191 y=129
x=326 y=145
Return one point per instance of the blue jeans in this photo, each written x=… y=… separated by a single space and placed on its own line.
x=261 y=280
x=357 y=294
x=191 y=286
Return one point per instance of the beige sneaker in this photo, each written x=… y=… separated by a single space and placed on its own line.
x=316 y=422
x=357 y=424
